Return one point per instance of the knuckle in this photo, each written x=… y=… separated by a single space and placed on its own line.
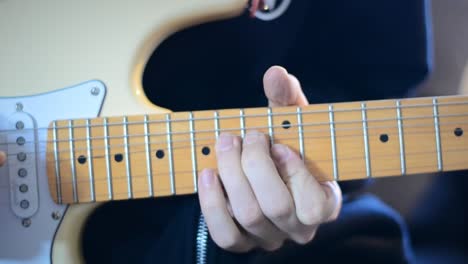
x=250 y=217
x=312 y=216
x=304 y=238
x=333 y=216
x=228 y=241
x=274 y=246
x=280 y=212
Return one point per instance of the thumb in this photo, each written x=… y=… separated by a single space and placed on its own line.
x=282 y=88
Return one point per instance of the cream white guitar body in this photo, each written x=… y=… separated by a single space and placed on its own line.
x=69 y=59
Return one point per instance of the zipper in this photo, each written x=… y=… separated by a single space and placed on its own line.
x=202 y=240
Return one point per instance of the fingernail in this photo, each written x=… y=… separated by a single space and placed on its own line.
x=225 y=142
x=207 y=177
x=280 y=152
x=251 y=137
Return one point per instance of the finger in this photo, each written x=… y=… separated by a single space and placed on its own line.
x=314 y=203
x=332 y=189
x=282 y=88
x=223 y=229
x=2 y=158
x=244 y=203
x=272 y=194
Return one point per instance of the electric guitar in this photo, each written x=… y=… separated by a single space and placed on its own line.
x=78 y=130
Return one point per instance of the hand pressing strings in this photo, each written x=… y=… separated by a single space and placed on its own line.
x=265 y=194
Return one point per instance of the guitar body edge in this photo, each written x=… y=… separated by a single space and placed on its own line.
x=67 y=242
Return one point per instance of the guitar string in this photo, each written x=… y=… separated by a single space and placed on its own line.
x=307 y=162
x=136 y=177
x=361 y=157
x=304 y=112
x=307 y=134
x=306 y=124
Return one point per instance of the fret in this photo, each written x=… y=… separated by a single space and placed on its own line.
x=205 y=126
x=286 y=129
x=194 y=157
x=333 y=142
x=419 y=135
x=149 y=170
x=382 y=130
x=90 y=162
x=453 y=117
x=169 y=150
x=57 y=164
x=349 y=135
x=401 y=137
x=300 y=132
x=82 y=150
x=110 y=188
x=216 y=123
x=256 y=118
x=127 y=158
x=366 y=140
x=270 y=126
x=72 y=160
x=316 y=123
x=242 y=123
x=437 y=132
x=160 y=162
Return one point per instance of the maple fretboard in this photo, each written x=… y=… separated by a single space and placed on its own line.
x=130 y=157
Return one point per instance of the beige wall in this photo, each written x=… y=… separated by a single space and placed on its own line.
x=450 y=37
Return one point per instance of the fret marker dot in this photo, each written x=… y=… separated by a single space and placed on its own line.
x=384 y=138
x=118 y=157
x=206 y=151
x=82 y=159
x=286 y=124
x=160 y=154
x=458 y=132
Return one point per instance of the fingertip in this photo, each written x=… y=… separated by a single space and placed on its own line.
x=2 y=158
x=274 y=71
x=277 y=86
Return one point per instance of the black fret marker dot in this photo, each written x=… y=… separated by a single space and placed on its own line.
x=458 y=132
x=384 y=138
x=118 y=157
x=160 y=154
x=82 y=159
x=286 y=124
x=205 y=151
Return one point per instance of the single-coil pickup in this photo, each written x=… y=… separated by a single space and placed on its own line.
x=21 y=141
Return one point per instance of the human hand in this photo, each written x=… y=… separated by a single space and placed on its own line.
x=2 y=158
x=271 y=196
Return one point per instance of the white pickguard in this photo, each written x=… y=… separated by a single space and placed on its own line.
x=33 y=244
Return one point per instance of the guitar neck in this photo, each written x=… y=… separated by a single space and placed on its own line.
x=118 y=158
